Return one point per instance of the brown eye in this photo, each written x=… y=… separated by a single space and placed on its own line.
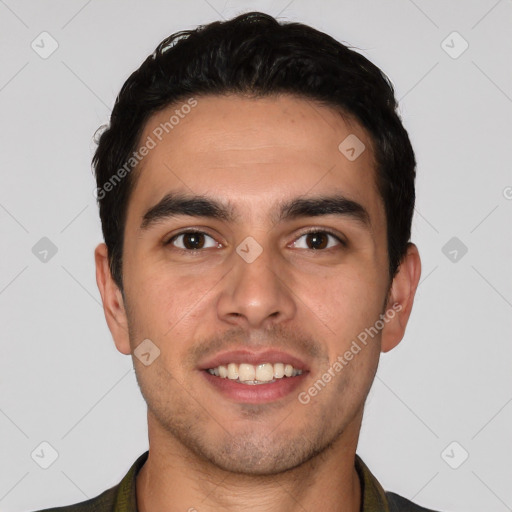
x=318 y=240
x=191 y=240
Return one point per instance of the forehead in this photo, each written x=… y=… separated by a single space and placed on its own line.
x=253 y=151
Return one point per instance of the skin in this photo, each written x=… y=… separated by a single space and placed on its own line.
x=208 y=452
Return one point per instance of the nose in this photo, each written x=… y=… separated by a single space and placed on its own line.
x=257 y=293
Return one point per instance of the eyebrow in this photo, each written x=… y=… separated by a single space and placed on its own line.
x=179 y=204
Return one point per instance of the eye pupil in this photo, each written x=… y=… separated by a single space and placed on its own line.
x=194 y=240
x=316 y=240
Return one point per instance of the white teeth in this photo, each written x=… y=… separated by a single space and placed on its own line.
x=279 y=370
x=249 y=374
x=232 y=371
x=246 y=372
x=264 y=372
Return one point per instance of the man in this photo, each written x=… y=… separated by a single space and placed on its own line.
x=256 y=191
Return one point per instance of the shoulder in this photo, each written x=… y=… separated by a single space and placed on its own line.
x=104 y=502
x=374 y=497
x=120 y=498
x=399 y=504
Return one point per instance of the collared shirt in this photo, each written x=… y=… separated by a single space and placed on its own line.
x=123 y=498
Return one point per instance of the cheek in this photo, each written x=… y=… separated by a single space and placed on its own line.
x=350 y=298
x=348 y=309
x=168 y=299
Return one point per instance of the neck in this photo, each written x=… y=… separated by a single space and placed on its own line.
x=175 y=479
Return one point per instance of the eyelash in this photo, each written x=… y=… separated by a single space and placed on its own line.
x=309 y=231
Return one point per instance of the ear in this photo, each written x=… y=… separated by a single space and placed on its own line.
x=400 y=298
x=113 y=302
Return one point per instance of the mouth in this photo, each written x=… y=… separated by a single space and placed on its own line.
x=250 y=374
x=244 y=376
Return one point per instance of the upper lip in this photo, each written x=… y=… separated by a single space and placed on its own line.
x=254 y=358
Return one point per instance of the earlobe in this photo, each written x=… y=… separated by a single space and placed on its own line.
x=113 y=303
x=401 y=298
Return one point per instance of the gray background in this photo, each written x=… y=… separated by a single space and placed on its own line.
x=62 y=380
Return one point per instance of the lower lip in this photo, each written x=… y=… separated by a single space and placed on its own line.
x=257 y=393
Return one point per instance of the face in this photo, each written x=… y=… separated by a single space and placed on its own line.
x=252 y=240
